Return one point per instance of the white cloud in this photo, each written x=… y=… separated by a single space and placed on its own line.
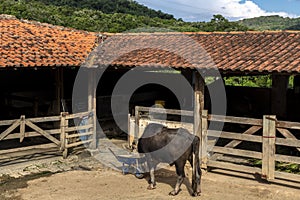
x=198 y=10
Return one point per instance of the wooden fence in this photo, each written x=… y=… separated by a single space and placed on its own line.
x=62 y=133
x=263 y=136
x=261 y=132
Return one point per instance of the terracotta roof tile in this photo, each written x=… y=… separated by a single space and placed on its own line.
x=237 y=51
x=30 y=44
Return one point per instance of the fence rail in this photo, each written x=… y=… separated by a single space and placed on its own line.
x=67 y=131
x=269 y=133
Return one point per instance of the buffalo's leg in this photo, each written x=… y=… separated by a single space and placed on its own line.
x=196 y=179
x=181 y=175
x=151 y=181
x=196 y=182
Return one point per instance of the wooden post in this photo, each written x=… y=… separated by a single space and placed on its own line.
x=131 y=129
x=137 y=124
x=22 y=128
x=203 y=142
x=63 y=134
x=269 y=135
x=92 y=106
x=198 y=108
x=198 y=102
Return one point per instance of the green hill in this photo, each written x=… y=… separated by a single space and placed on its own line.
x=110 y=7
x=97 y=16
x=272 y=23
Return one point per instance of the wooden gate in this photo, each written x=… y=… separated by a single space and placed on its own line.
x=263 y=136
x=60 y=131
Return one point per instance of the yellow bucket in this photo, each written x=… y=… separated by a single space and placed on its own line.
x=160 y=103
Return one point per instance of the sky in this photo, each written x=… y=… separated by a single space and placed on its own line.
x=203 y=10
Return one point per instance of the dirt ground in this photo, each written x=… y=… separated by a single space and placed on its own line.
x=81 y=177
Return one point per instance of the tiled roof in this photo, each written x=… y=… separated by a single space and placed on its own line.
x=32 y=44
x=234 y=51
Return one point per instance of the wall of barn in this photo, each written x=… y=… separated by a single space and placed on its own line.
x=26 y=92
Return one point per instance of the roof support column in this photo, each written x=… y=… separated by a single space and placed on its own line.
x=279 y=95
x=92 y=105
x=199 y=85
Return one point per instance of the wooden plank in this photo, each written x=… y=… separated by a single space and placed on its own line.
x=236 y=120
x=287 y=134
x=78 y=128
x=237 y=152
x=248 y=132
x=9 y=129
x=288 y=142
x=35 y=147
x=289 y=159
x=235 y=136
x=233 y=167
x=31 y=134
x=287 y=176
x=246 y=136
x=286 y=124
x=44 y=119
x=22 y=128
x=268 y=158
x=7 y=122
x=169 y=124
x=42 y=132
x=79 y=143
x=79 y=134
x=167 y=111
x=78 y=115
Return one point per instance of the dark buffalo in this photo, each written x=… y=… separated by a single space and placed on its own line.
x=172 y=146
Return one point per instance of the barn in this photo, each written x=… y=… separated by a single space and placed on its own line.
x=257 y=122
x=40 y=56
x=38 y=65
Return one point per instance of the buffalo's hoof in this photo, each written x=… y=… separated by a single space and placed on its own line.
x=151 y=187
x=173 y=193
x=196 y=194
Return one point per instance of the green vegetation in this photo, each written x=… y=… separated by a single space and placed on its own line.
x=249 y=81
x=85 y=16
x=262 y=81
x=279 y=166
x=110 y=7
x=272 y=23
